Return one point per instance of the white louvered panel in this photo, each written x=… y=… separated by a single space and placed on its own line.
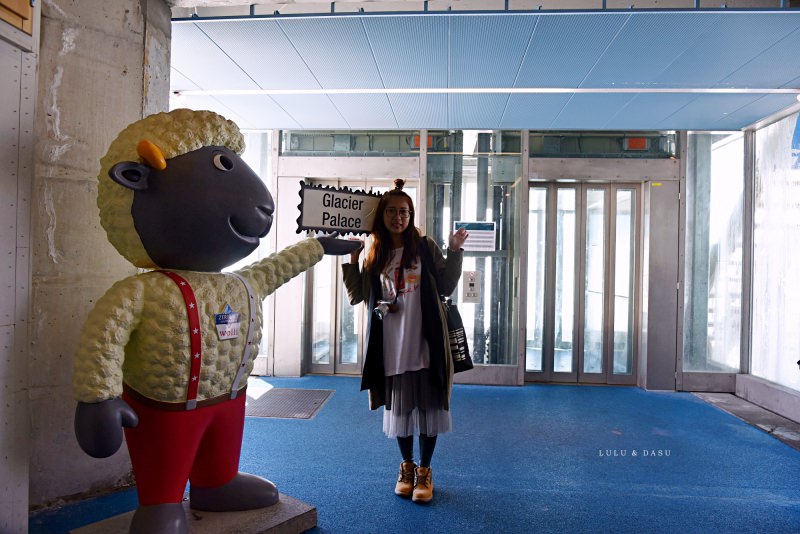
x=262 y=50
x=213 y=103
x=646 y=45
x=420 y=110
x=476 y=111
x=706 y=110
x=560 y=55
x=734 y=40
x=179 y=82
x=643 y=111
x=260 y=110
x=312 y=112
x=533 y=111
x=366 y=111
x=776 y=66
x=592 y=109
x=756 y=110
x=335 y=49
x=200 y=59
x=409 y=51
x=487 y=51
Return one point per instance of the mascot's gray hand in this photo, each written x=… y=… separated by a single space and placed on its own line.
x=98 y=426
x=338 y=247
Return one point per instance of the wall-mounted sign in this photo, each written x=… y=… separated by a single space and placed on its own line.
x=482 y=235
x=330 y=209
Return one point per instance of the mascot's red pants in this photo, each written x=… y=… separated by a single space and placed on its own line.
x=167 y=448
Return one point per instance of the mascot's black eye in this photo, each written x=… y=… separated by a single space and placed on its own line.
x=223 y=162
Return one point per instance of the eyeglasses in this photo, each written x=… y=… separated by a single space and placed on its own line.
x=394 y=212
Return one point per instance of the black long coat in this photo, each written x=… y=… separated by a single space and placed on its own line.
x=364 y=287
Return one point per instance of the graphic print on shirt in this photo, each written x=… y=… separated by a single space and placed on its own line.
x=403 y=279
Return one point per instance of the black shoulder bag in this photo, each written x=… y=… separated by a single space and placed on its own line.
x=455 y=325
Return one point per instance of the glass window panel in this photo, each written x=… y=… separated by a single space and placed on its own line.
x=713 y=298
x=537 y=236
x=776 y=284
x=349 y=143
x=470 y=180
x=321 y=346
x=623 y=282
x=594 y=294
x=564 y=354
x=348 y=337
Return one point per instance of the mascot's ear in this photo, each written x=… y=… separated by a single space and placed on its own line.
x=130 y=174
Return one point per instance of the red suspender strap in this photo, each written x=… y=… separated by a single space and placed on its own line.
x=195 y=337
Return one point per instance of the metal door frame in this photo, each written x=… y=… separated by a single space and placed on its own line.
x=609 y=257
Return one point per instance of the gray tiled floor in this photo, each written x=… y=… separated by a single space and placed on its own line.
x=777 y=426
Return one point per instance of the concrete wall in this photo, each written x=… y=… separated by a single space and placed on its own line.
x=102 y=65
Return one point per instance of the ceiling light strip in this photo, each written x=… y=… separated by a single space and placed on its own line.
x=489 y=90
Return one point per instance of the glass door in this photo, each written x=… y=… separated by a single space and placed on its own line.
x=338 y=329
x=582 y=248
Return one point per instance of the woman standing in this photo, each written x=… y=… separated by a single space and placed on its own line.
x=407 y=368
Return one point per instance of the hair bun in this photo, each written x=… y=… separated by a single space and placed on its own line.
x=399 y=183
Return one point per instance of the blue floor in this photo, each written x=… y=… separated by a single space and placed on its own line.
x=539 y=458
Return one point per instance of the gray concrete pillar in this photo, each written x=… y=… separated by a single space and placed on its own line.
x=102 y=65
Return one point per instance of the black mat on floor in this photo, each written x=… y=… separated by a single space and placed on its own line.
x=288 y=403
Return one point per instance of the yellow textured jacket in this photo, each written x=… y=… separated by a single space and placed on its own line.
x=139 y=332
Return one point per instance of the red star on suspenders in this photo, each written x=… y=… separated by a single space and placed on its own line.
x=195 y=337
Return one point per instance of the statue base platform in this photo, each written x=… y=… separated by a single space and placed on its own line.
x=288 y=516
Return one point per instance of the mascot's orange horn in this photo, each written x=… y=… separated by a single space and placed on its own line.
x=151 y=154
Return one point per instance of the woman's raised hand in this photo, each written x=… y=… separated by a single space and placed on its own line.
x=457 y=239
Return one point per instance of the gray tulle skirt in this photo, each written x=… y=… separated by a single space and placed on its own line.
x=414 y=407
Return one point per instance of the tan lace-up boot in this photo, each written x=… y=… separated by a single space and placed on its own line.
x=423 y=485
x=405 y=480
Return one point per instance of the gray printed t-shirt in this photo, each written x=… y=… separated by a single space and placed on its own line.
x=404 y=345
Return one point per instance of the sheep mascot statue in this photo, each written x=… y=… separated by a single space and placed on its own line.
x=166 y=353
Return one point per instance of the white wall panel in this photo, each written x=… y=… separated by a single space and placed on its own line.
x=16 y=122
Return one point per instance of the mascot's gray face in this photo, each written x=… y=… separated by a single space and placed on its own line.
x=205 y=211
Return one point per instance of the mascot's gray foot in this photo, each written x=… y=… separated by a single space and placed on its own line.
x=244 y=492
x=162 y=518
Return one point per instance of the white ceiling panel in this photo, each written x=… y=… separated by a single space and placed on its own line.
x=594 y=110
x=336 y=49
x=534 y=112
x=643 y=111
x=708 y=110
x=312 y=112
x=755 y=111
x=419 y=110
x=215 y=103
x=691 y=69
x=471 y=111
x=366 y=111
x=644 y=70
x=559 y=56
x=260 y=110
x=264 y=52
x=487 y=51
x=409 y=51
x=179 y=81
x=199 y=59
x=646 y=45
x=776 y=66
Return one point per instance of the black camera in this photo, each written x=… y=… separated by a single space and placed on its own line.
x=382 y=308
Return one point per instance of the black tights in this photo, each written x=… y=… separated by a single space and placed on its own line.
x=426 y=446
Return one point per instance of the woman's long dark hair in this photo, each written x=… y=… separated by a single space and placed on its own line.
x=378 y=255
